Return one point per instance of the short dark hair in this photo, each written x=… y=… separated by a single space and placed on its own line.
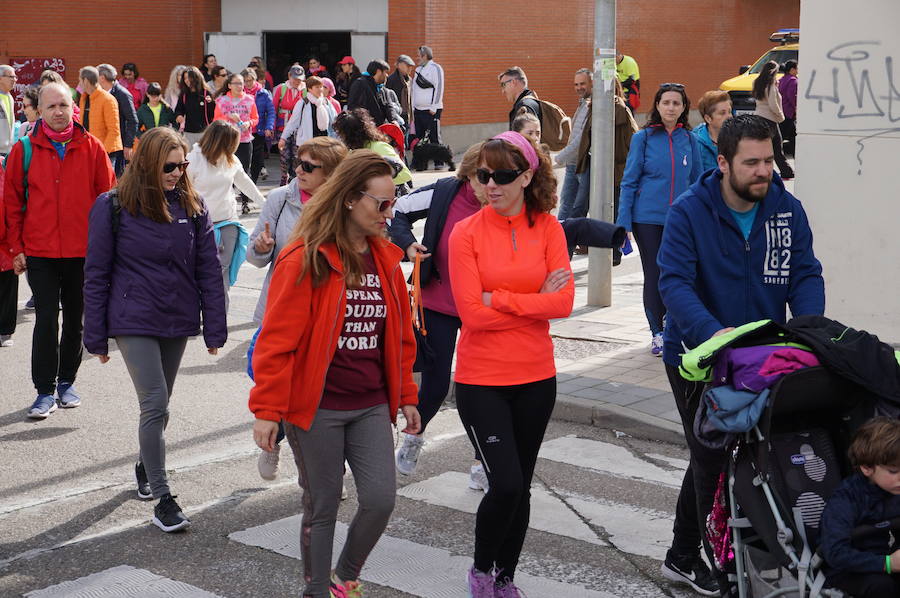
x=789 y=64
x=130 y=66
x=877 y=442
x=31 y=95
x=377 y=65
x=743 y=126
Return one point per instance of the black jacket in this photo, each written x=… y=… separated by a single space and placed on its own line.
x=191 y=105
x=364 y=94
x=526 y=102
x=431 y=202
x=400 y=84
x=128 y=124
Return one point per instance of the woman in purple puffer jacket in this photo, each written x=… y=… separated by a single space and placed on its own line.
x=153 y=232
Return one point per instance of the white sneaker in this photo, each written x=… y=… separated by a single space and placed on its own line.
x=656 y=345
x=478 y=479
x=6 y=340
x=408 y=454
x=267 y=464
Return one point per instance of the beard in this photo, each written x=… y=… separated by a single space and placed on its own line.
x=744 y=190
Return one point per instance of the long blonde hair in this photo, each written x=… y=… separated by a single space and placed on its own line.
x=141 y=188
x=325 y=217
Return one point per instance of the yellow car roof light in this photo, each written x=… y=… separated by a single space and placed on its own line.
x=785 y=36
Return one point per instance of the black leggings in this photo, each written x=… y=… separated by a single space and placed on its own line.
x=257 y=156
x=9 y=302
x=435 y=381
x=649 y=238
x=784 y=169
x=506 y=425
x=243 y=153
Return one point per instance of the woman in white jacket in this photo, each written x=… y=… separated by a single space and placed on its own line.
x=311 y=117
x=214 y=170
x=768 y=105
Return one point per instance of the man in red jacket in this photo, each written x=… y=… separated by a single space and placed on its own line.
x=46 y=204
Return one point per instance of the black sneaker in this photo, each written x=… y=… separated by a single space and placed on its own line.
x=693 y=573
x=167 y=515
x=143 y=484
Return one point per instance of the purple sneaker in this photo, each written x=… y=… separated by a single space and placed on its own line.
x=508 y=590
x=481 y=585
x=656 y=345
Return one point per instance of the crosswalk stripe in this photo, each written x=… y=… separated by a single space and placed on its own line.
x=413 y=568
x=122 y=582
x=548 y=513
x=608 y=458
x=631 y=529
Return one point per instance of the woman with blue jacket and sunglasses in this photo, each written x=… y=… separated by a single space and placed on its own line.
x=663 y=161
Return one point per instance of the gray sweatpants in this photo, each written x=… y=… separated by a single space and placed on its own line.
x=362 y=437
x=152 y=363
x=228 y=236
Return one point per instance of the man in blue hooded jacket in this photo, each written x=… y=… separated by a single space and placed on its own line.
x=737 y=248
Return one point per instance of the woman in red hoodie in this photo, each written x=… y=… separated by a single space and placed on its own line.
x=334 y=361
x=510 y=275
x=9 y=283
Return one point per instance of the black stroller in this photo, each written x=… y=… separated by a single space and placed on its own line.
x=780 y=475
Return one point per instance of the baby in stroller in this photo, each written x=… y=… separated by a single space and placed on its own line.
x=857 y=539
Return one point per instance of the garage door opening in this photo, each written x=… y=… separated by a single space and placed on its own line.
x=284 y=48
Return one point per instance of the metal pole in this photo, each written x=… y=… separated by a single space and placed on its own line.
x=602 y=147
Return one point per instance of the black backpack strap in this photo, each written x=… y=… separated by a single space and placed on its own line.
x=115 y=211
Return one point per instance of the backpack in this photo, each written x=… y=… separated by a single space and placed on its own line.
x=555 y=125
x=26 y=164
x=115 y=215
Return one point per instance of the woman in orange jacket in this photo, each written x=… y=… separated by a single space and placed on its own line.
x=510 y=275
x=334 y=361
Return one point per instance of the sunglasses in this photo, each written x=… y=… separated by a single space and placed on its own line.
x=168 y=167
x=308 y=167
x=383 y=204
x=504 y=176
x=671 y=86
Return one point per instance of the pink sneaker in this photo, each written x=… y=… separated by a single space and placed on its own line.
x=508 y=590
x=481 y=585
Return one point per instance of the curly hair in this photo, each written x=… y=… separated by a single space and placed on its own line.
x=540 y=194
x=357 y=129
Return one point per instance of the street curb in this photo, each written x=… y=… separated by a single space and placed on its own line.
x=623 y=419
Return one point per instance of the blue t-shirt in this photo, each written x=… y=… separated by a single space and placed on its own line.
x=745 y=219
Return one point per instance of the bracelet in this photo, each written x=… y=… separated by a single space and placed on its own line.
x=887 y=563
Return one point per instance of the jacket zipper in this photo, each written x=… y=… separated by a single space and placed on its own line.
x=672 y=156
x=747 y=278
x=515 y=245
x=400 y=361
x=333 y=325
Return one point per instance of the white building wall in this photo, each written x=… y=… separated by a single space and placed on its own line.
x=848 y=156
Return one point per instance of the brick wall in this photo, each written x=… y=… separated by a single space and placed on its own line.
x=155 y=35
x=697 y=42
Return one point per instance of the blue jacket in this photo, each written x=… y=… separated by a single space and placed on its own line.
x=856 y=502
x=265 y=107
x=711 y=278
x=660 y=167
x=709 y=151
x=125 y=272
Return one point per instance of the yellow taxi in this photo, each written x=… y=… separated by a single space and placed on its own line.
x=740 y=87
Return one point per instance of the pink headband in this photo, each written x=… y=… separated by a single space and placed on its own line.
x=523 y=144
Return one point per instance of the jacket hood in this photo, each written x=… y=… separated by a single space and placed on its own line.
x=708 y=190
x=703 y=137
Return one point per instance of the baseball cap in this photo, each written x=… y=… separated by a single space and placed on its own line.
x=406 y=59
x=347 y=60
x=296 y=72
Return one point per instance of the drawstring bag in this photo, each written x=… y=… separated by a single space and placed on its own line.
x=424 y=353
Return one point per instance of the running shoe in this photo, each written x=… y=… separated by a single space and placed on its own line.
x=30 y=303
x=267 y=463
x=68 y=398
x=6 y=340
x=656 y=345
x=42 y=407
x=143 y=484
x=508 y=590
x=336 y=591
x=481 y=585
x=408 y=454
x=478 y=479
x=167 y=515
x=354 y=589
x=694 y=574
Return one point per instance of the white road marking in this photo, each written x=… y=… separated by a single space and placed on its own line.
x=413 y=568
x=608 y=458
x=631 y=529
x=675 y=462
x=548 y=513
x=122 y=582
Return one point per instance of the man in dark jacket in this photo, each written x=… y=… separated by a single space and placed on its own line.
x=736 y=248
x=367 y=91
x=514 y=87
x=128 y=123
x=46 y=215
x=399 y=82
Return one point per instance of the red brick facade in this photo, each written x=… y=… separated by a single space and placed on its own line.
x=697 y=42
